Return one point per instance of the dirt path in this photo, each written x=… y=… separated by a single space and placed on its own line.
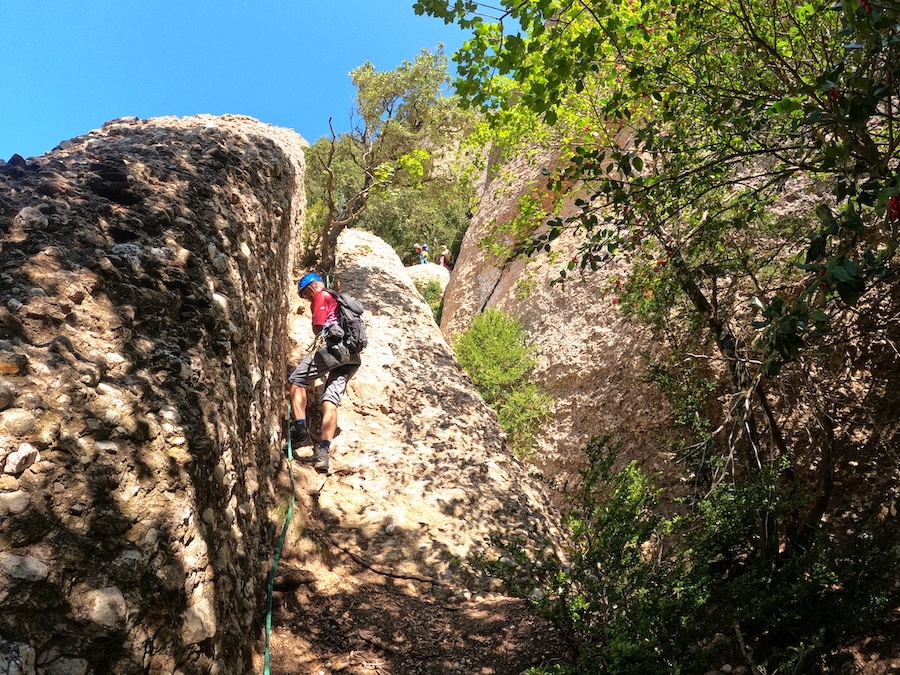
x=335 y=611
x=381 y=626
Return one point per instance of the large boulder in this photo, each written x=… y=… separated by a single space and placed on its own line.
x=144 y=279
x=427 y=273
x=423 y=478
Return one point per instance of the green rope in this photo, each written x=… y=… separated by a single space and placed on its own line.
x=284 y=529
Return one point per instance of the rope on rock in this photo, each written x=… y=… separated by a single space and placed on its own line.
x=284 y=529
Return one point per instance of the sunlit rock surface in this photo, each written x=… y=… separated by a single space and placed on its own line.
x=149 y=318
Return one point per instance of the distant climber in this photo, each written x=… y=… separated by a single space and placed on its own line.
x=446 y=259
x=329 y=359
x=422 y=250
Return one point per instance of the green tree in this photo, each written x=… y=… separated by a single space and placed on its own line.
x=399 y=171
x=680 y=125
x=693 y=117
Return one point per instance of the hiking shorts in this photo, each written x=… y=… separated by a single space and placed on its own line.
x=336 y=378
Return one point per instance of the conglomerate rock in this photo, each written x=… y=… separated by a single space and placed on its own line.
x=423 y=478
x=144 y=275
x=590 y=358
x=424 y=274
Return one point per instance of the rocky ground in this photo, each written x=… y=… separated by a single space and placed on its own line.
x=334 y=610
x=379 y=627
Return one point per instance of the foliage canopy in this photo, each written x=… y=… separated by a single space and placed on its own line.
x=690 y=117
x=401 y=171
x=681 y=127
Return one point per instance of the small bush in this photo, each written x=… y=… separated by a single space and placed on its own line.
x=643 y=594
x=494 y=353
x=521 y=414
x=434 y=296
x=613 y=598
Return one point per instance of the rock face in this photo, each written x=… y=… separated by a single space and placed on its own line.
x=591 y=359
x=428 y=273
x=422 y=475
x=144 y=278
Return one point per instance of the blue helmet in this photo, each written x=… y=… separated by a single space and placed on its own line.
x=306 y=280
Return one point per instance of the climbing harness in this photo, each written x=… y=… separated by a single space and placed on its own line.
x=284 y=529
x=316 y=344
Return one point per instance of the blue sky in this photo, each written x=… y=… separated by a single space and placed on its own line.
x=68 y=67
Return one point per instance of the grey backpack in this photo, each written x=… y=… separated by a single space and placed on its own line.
x=350 y=312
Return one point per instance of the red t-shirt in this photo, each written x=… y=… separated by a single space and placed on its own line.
x=324 y=310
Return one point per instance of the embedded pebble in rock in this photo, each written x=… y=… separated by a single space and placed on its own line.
x=7 y=395
x=21 y=458
x=17 y=421
x=13 y=502
x=23 y=567
x=104 y=606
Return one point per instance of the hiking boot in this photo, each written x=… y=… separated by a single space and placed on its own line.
x=300 y=436
x=320 y=458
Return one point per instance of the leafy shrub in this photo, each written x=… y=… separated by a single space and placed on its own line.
x=494 y=353
x=641 y=593
x=614 y=596
x=434 y=296
x=691 y=392
x=521 y=414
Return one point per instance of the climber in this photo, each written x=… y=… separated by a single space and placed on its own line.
x=423 y=255
x=446 y=259
x=326 y=360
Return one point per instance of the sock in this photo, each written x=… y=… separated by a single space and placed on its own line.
x=300 y=422
x=324 y=444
